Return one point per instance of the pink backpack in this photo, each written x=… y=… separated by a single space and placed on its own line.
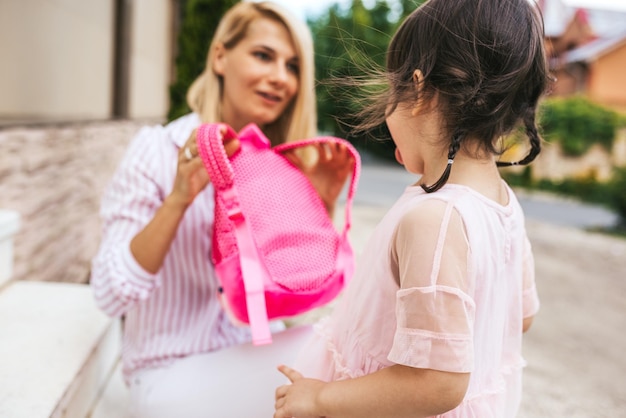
x=275 y=249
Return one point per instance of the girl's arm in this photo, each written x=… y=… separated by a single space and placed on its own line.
x=398 y=391
x=527 y=323
x=530 y=299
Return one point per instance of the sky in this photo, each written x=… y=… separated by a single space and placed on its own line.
x=313 y=8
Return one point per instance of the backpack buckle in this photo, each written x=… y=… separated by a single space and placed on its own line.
x=235 y=214
x=232 y=205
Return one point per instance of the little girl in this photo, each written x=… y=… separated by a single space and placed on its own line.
x=432 y=322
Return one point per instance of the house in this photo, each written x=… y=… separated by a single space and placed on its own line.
x=587 y=50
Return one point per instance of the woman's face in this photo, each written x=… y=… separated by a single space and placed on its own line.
x=260 y=75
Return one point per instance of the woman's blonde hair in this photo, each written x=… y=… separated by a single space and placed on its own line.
x=299 y=119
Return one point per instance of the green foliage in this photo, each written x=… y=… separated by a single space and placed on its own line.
x=199 y=19
x=618 y=193
x=352 y=43
x=577 y=123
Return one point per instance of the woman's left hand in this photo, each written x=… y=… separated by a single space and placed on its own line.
x=298 y=398
x=329 y=172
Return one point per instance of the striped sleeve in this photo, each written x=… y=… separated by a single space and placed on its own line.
x=130 y=201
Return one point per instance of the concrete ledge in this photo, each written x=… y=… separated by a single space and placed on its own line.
x=115 y=400
x=57 y=350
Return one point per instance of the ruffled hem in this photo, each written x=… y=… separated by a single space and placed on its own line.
x=501 y=400
x=360 y=363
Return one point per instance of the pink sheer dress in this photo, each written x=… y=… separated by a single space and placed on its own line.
x=408 y=305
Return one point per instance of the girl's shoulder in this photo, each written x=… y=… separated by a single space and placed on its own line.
x=423 y=211
x=427 y=225
x=431 y=205
x=466 y=199
x=456 y=202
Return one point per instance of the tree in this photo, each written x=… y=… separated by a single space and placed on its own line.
x=351 y=43
x=199 y=19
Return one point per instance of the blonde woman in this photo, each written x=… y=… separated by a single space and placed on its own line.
x=153 y=266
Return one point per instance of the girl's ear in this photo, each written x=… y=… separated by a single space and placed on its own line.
x=219 y=59
x=418 y=82
x=422 y=104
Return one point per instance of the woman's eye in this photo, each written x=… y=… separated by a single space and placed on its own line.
x=263 y=56
x=293 y=68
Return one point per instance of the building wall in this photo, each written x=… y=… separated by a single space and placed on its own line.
x=596 y=163
x=607 y=83
x=59 y=59
x=150 y=58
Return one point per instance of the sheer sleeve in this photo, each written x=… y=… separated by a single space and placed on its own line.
x=434 y=311
x=530 y=298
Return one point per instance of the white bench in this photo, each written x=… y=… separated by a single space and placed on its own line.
x=58 y=352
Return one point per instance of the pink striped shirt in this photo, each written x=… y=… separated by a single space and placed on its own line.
x=175 y=312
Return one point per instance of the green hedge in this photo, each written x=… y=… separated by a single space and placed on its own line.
x=577 y=123
x=617 y=194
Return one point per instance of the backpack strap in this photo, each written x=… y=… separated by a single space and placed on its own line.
x=210 y=142
x=211 y=150
x=356 y=169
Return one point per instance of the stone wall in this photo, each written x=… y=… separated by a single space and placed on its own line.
x=54 y=177
x=597 y=163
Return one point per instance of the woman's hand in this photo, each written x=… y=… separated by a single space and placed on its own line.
x=297 y=399
x=191 y=176
x=329 y=172
x=152 y=243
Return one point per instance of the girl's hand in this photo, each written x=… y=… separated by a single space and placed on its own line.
x=191 y=176
x=329 y=173
x=299 y=398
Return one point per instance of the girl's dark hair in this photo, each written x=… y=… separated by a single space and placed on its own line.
x=486 y=61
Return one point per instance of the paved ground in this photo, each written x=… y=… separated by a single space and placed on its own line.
x=576 y=349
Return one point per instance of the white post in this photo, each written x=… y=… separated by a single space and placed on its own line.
x=9 y=225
